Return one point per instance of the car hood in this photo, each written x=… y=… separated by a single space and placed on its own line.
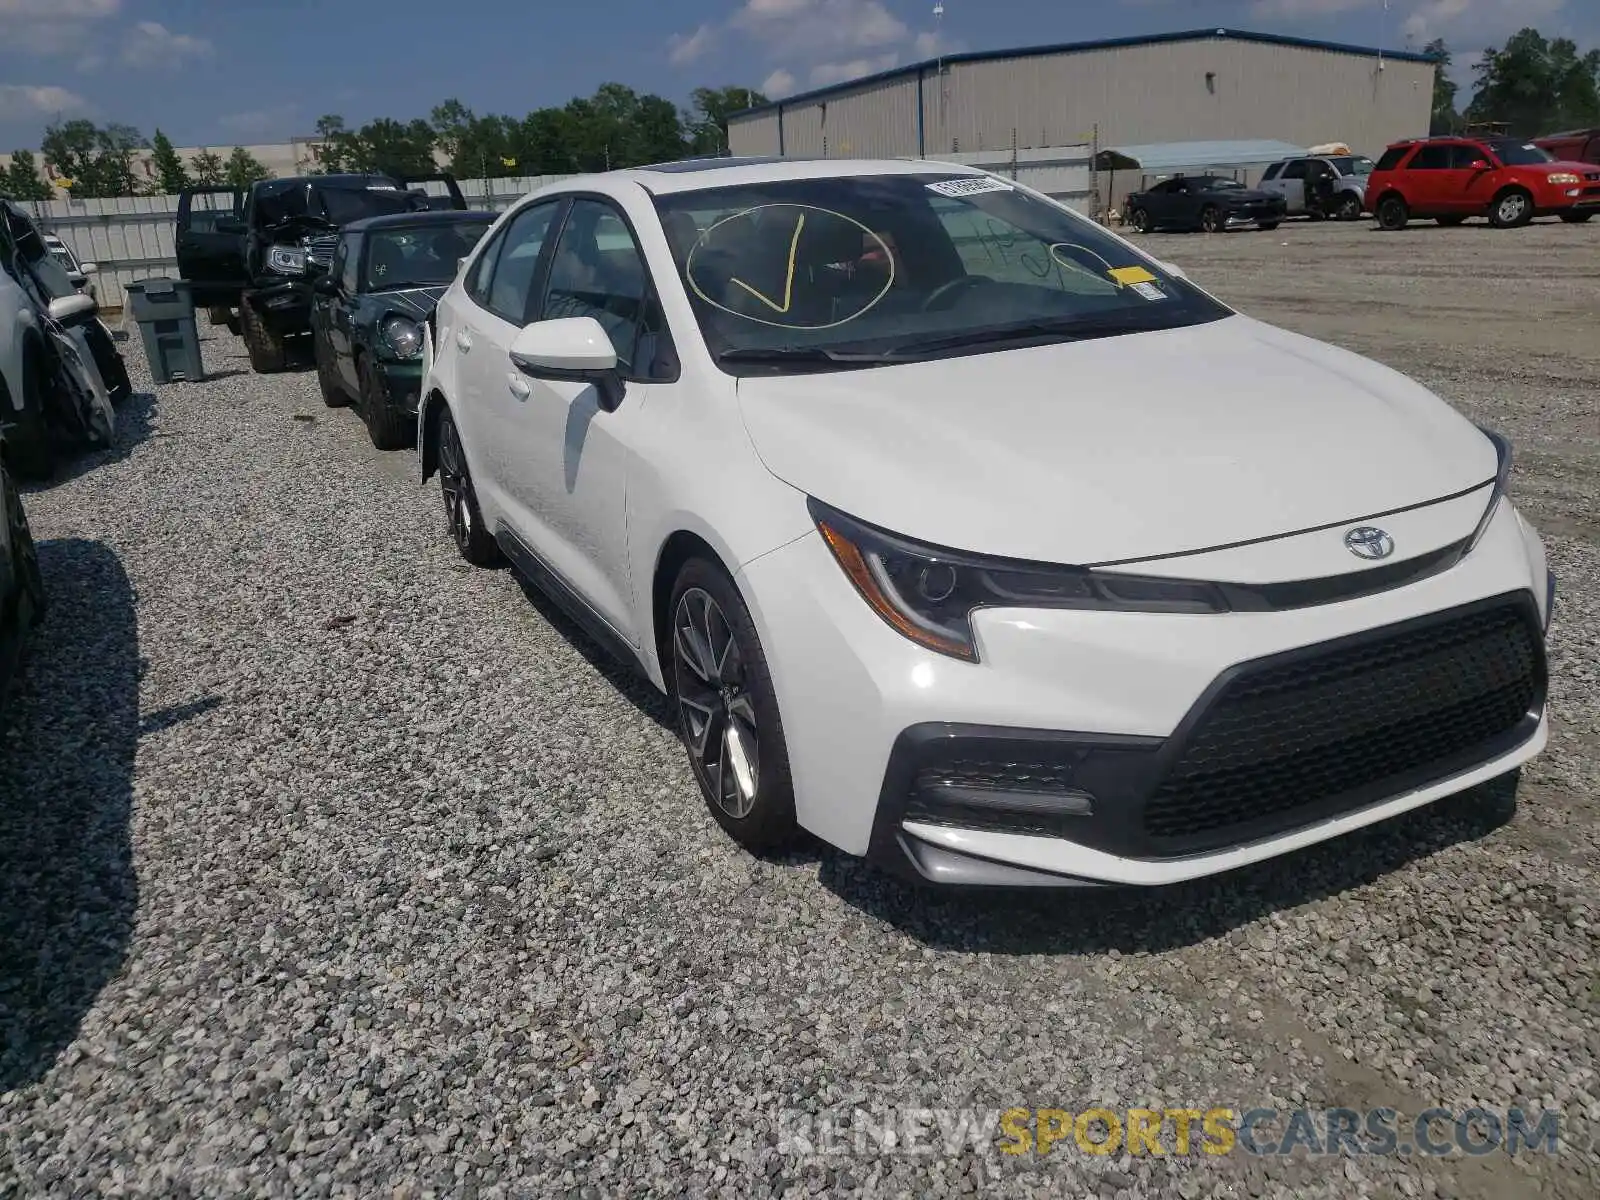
x=1130 y=447
x=1568 y=164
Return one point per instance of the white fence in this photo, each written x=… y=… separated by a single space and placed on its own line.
x=132 y=238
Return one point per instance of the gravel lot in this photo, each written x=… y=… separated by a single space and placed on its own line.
x=329 y=866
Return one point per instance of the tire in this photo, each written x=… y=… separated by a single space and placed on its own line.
x=1392 y=214
x=29 y=443
x=24 y=555
x=1267 y=226
x=112 y=366
x=220 y=316
x=388 y=429
x=1140 y=220
x=727 y=709
x=465 y=519
x=1511 y=209
x=333 y=393
x=267 y=355
x=1450 y=222
x=1350 y=207
x=1211 y=219
x=1576 y=218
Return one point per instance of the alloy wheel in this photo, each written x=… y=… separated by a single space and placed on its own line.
x=1512 y=207
x=455 y=484
x=715 y=710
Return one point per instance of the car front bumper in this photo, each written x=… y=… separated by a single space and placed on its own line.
x=1146 y=749
x=402 y=383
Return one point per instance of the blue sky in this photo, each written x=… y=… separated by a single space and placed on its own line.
x=242 y=71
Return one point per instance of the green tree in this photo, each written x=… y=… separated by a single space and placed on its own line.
x=1536 y=86
x=1445 y=118
x=22 y=181
x=335 y=146
x=389 y=146
x=707 y=122
x=99 y=162
x=209 y=169
x=171 y=174
x=244 y=168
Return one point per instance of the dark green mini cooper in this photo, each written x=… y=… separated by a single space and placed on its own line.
x=386 y=275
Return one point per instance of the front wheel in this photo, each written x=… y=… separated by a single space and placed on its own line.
x=24 y=555
x=1576 y=218
x=1211 y=218
x=1349 y=208
x=472 y=538
x=389 y=428
x=29 y=440
x=728 y=711
x=266 y=350
x=1392 y=214
x=333 y=393
x=1511 y=209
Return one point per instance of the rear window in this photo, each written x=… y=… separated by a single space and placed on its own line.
x=1392 y=157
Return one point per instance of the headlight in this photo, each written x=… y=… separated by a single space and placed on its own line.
x=287 y=260
x=929 y=594
x=1502 y=477
x=1565 y=177
x=402 y=337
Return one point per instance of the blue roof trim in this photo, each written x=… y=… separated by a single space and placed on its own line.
x=1152 y=39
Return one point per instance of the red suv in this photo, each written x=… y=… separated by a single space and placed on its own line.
x=1508 y=180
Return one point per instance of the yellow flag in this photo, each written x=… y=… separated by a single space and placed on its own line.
x=508 y=162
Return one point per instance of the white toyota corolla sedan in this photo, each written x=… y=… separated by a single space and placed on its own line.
x=969 y=538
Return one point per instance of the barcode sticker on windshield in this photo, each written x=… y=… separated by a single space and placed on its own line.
x=1149 y=291
x=971 y=186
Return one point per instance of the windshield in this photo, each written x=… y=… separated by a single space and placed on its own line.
x=1519 y=154
x=418 y=255
x=331 y=204
x=344 y=205
x=813 y=274
x=1352 y=165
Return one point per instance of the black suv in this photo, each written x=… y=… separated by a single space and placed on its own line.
x=264 y=255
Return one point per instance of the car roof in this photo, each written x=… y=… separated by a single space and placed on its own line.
x=436 y=216
x=699 y=174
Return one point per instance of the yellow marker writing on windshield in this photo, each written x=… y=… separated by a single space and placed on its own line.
x=788 y=279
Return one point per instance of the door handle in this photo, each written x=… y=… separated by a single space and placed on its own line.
x=463 y=340
x=519 y=386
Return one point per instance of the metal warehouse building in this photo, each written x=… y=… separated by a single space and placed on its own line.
x=1211 y=84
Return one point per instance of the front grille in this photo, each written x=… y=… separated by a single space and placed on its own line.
x=1308 y=735
x=320 y=249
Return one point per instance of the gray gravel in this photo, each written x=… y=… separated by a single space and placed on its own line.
x=329 y=866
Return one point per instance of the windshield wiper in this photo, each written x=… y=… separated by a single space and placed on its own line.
x=801 y=355
x=1072 y=329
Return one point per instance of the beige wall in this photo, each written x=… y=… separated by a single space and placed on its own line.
x=1135 y=94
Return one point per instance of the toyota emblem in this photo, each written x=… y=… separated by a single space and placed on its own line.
x=1368 y=541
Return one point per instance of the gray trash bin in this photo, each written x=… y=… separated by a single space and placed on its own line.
x=164 y=309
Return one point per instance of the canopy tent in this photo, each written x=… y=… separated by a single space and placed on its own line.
x=1162 y=158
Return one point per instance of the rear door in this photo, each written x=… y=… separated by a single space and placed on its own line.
x=1434 y=181
x=210 y=243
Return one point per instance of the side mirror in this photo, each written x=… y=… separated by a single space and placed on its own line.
x=88 y=268
x=1479 y=164
x=229 y=225
x=571 y=348
x=67 y=309
x=326 y=285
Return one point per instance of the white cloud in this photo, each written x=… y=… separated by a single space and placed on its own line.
x=683 y=48
x=779 y=83
x=1483 y=20
x=1306 y=8
x=811 y=28
x=20 y=102
x=152 y=44
x=930 y=44
x=51 y=27
x=260 y=123
x=837 y=72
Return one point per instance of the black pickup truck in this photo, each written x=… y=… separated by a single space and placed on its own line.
x=259 y=251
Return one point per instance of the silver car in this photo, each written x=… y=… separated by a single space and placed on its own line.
x=1288 y=179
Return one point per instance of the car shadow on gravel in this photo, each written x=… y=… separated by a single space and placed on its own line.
x=1137 y=920
x=67 y=889
x=136 y=418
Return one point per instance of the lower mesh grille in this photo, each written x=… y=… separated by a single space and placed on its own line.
x=1283 y=740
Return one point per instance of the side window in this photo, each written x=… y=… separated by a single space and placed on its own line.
x=598 y=271
x=1295 y=170
x=1271 y=173
x=1432 y=158
x=510 y=294
x=347 y=262
x=1391 y=158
